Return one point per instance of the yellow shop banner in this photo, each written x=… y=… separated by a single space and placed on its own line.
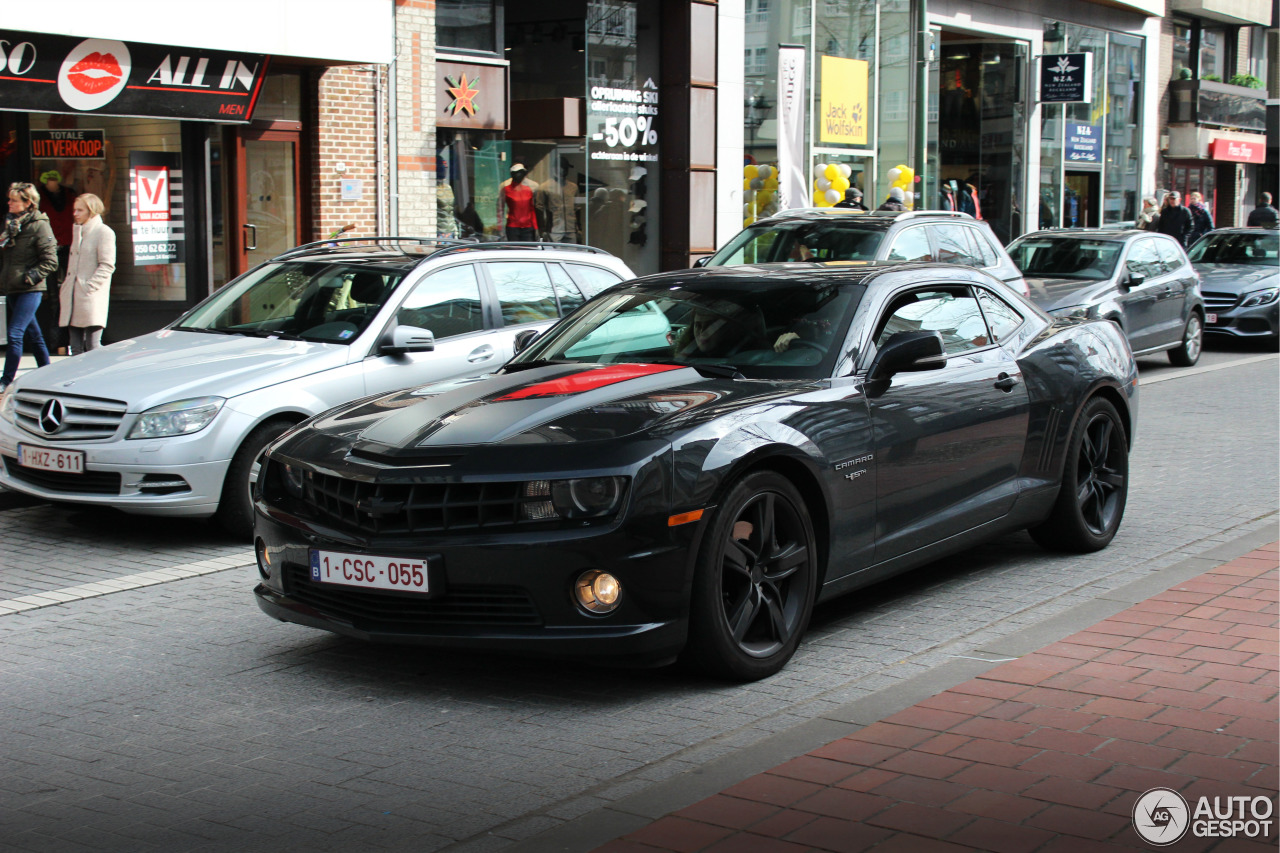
x=845 y=115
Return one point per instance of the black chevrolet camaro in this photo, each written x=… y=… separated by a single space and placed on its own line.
x=691 y=460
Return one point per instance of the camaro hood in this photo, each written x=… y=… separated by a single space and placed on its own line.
x=1051 y=293
x=1236 y=278
x=553 y=404
x=168 y=365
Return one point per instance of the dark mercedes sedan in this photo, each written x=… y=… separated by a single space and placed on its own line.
x=1240 y=274
x=691 y=460
x=1141 y=281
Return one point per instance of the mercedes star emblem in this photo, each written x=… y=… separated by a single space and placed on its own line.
x=51 y=416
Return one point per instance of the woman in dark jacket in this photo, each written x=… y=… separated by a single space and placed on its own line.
x=28 y=255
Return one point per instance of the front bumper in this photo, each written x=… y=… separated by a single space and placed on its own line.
x=1261 y=321
x=508 y=592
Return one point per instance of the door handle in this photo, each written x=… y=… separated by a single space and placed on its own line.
x=1006 y=383
x=483 y=353
x=250 y=242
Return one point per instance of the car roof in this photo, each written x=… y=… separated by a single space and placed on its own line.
x=1114 y=235
x=866 y=219
x=818 y=275
x=412 y=251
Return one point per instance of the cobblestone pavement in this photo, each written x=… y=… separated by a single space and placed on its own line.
x=175 y=716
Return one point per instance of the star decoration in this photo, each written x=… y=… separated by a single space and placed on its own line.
x=464 y=97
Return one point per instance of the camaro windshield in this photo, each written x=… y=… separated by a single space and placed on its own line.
x=1066 y=257
x=837 y=239
x=330 y=302
x=1261 y=249
x=768 y=330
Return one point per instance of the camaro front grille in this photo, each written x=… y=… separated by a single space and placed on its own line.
x=392 y=508
x=1219 y=301
x=87 y=483
x=407 y=612
x=76 y=418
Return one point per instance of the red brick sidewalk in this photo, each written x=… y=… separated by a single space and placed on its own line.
x=1047 y=753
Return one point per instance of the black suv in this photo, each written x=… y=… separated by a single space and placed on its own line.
x=837 y=234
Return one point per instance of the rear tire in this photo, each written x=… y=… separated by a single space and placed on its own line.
x=235 y=508
x=1188 y=352
x=1095 y=484
x=754 y=582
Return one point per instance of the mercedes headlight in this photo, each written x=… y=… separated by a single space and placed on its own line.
x=1075 y=312
x=180 y=418
x=1261 y=297
x=8 y=403
x=586 y=497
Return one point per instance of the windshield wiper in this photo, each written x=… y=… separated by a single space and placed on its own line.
x=728 y=370
x=268 y=333
x=510 y=367
x=206 y=331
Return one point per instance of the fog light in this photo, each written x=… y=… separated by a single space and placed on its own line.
x=264 y=558
x=597 y=592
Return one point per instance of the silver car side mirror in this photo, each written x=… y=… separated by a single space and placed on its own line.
x=404 y=339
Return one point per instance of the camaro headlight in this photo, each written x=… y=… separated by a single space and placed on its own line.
x=294 y=483
x=587 y=497
x=1261 y=297
x=180 y=418
x=1076 y=312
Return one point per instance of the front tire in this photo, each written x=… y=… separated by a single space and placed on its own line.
x=1188 y=352
x=755 y=581
x=1095 y=484
x=235 y=508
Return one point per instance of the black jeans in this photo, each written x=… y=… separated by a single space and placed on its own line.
x=528 y=235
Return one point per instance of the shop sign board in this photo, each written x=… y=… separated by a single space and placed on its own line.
x=156 y=212
x=1237 y=151
x=1084 y=143
x=844 y=118
x=65 y=74
x=624 y=120
x=77 y=143
x=472 y=95
x=1066 y=78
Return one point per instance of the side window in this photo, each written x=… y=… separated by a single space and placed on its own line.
x=911 y=244
x=524 y=291
x=566 y=291
x=593 y=279
x=954 y=246
x=1173 y=257
x=1144 y=260
x=952 y=311
x=446 y=303
x=1002 y=319
x=983 y=250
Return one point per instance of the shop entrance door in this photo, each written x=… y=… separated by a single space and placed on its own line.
x=1081 y=200
x=268 y=210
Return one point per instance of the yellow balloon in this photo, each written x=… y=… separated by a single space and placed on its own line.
x=831 y=172
x=819 y=198
x=746 y=183
x=908 y=173
x=763 y=198
x=747 y=222
x=840 y=184
x=750 y=171
x=771 y=183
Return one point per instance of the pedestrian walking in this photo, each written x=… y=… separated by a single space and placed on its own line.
x=28 y=255
x=894 y=201
x=1175 y=220
x=1201 y=218
x=86 y=288
x=1150 y=214
x=1264 y=215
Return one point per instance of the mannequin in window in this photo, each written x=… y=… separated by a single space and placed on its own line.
x=516 y=209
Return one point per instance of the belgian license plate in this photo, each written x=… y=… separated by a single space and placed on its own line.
x=47 y=459
x=1211 y=318
x=402 y=574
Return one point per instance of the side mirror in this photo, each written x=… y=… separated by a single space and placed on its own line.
x=702 y=261
x=523 y=339
x=908 y=352
x=1132 y=280
x=404 y=339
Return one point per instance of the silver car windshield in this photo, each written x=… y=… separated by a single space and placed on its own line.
x=791 y=332
x=1066 y=257
x=1261 y=249
x=843 y=239
x=311 y=301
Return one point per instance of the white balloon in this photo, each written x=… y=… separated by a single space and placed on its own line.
x=757 y=184
x=824 y=184
x=765 y=172
x=908 y=196
x=819 y=169
x=894 y=174
x=748 y=209
x=846 y=169
x=748 y=194
x=834 y=196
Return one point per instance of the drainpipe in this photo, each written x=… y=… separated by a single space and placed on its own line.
x=922 y=100
x=393 y=132
x=379 y=160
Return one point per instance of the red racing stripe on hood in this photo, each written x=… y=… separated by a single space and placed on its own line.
x=587 y=380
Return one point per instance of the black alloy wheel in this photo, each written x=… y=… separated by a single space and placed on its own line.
x=1095 y=484
x=755 y=582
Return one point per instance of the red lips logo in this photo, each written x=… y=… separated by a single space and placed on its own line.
x=96 y=73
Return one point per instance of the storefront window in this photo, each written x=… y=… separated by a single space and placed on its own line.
x=143 y=271
x=1183 y=62
x=1123 y=125
x=466 y=25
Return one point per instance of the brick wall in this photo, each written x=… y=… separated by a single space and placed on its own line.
x=416 y=108
x=345 y=135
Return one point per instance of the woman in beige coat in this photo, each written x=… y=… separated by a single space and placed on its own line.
x=86 y=288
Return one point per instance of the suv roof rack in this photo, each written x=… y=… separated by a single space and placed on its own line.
x=895 y=215
x=442 y=246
